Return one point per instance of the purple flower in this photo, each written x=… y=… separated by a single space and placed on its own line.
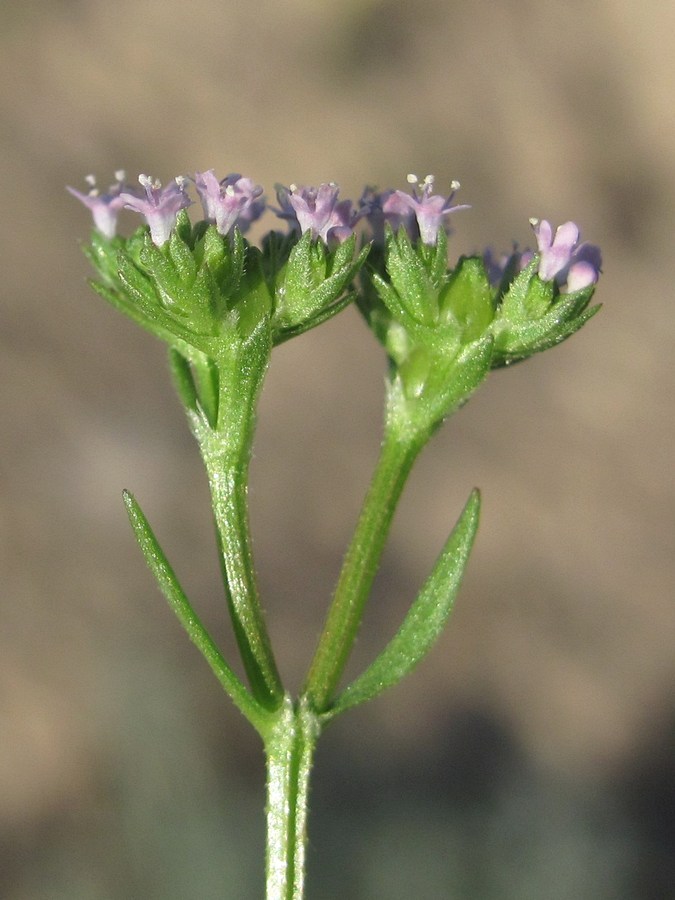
x=105 y=208
x=574 y=266
x=160 y=206
x=317 y=210
x=232 y=201
x=429 y=209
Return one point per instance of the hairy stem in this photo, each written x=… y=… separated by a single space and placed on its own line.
x=290 y=750
x=397 y=455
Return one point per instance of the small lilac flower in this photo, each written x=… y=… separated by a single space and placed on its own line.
x=574 y=266
x=429 y=209
x=317 y=210
x=105 y=208
x=160 y=206
x=232 y=201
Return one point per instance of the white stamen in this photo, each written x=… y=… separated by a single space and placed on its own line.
x=120 y=175
x=534 y=222
x=229 y=190
x=90 y=179
x=429 y=180
x=149 y=183
x=411 y=179
x=292 y=188
x=455 y=185
x=180 y=180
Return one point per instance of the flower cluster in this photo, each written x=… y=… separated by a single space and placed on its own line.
x=238 y=201
x=197 y=281
x=561 y=258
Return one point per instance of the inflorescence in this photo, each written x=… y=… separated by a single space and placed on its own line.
x=237 y=201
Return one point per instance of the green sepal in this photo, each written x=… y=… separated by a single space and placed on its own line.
x=168 y=584
x=135 y=293
x=424 y=621
x=137 y=285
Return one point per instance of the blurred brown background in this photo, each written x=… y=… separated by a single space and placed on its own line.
x=530 y=756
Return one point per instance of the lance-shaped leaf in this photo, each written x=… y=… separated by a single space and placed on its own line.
x=425 y=619
x=179 y=603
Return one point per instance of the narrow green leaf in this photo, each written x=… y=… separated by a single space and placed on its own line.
x=425 y=619
x=179 y=603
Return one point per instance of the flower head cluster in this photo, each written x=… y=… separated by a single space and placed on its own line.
x=204 y=280
x=237 y=201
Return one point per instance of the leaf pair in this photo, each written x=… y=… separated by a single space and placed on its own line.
x=419 y=631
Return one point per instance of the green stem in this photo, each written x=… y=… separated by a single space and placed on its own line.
x=397 y=455
x=229 y=485
x=290 y=750
x=226 y=450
